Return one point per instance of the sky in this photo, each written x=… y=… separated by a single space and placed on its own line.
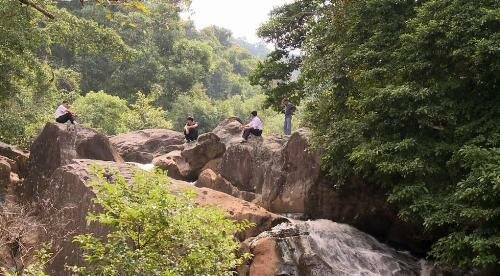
x=242 y=17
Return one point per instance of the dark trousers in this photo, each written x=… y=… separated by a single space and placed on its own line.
x=191 y=136
x=66 y=117
x=248 y=131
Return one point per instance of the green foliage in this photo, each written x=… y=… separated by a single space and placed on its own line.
x=404 y=94
x=103 y=111
x=156 y=231
x=113 y=115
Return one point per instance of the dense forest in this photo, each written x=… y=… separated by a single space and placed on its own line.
x=406 y=95
x=123 y=67
x=401 y=93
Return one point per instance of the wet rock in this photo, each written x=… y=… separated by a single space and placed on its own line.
x=143 y=146
x=327 y=248
x=18 y=156
x=56 y=146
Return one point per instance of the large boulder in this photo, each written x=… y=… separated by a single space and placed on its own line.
x=143 y=146
x=17 y=155
x=56 y=146
x=229 y=130
x=283 y=170
x=188 y=163
x=70 y=199
x=206 y=148
x=175 y=165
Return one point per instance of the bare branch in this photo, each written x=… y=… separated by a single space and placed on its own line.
x=38 y=8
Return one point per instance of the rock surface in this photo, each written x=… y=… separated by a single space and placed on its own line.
x=206 y=148
x=143 y=146
x=18 y=156
x=57 y=146
x=70 y=200
x=175 y=165
x=188 y=163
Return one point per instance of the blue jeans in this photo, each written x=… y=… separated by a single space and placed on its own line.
x=287 y=126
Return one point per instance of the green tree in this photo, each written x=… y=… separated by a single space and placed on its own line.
x=156 y=231
x=103 y=111
x=404 y=94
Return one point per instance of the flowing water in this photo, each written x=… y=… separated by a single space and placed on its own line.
x=323 y=247
x=147 y=167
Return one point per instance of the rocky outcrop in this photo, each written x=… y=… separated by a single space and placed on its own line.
x=57 y=146
x=282 y=170
x=13 y=167
x=71 y=199
x=188 y=163
x=18 y=156
x=143 y=146
x=283 y=175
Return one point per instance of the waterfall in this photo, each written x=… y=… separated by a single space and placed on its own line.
x=323 y=247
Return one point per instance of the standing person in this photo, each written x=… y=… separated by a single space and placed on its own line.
x=289 y=109
x=63 y=114
x=254 y=127
x=191 y=129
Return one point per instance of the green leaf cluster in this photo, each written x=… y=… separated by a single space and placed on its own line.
x=154 y=230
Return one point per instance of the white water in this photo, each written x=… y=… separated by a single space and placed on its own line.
x=340 y=249
x=147 y=167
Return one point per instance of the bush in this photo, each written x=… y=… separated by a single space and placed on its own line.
x=156 y=232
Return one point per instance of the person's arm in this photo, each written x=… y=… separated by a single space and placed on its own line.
x=193 y=126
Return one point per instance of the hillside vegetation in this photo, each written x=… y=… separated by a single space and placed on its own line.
x=406 y=95
x=125 y=67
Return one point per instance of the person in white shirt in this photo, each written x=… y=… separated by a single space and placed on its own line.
x=63 y=114
x=254 y=127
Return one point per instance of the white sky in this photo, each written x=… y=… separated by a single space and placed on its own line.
x=242 y=17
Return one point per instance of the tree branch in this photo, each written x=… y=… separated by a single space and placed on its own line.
x=38 y=8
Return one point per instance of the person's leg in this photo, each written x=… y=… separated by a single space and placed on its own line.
x=71 y=118
x=63 y=118
x=192 y=136
x=256 y=132
x=246 y=133
x=288 y=125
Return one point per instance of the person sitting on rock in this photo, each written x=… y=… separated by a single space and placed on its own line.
x=254 y=127
x=64 y=114
x=191 y=129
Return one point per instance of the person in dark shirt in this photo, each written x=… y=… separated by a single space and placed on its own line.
x=191 y=129
x=289 y=109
